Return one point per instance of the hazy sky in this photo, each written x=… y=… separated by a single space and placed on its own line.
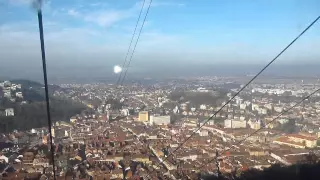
x=95 y=34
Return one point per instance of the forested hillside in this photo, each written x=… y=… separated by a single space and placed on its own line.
x=32 y=112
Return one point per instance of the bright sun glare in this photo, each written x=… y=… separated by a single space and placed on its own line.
x=117 y=69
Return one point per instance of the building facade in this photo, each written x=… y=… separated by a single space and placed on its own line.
x=234 y=123
x=143 y=116
x=159 y=120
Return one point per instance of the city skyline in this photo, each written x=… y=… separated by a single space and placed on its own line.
x=162 y=127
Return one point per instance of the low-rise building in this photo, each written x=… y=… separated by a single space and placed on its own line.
x=310 y=142
x=143 y=116
x=159 y=120
x=234 y=123
x=286 y=141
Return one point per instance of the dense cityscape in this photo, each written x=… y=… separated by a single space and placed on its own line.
x=200 y=90
x=144 y=130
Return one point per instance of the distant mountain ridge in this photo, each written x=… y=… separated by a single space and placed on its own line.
x=79 y=73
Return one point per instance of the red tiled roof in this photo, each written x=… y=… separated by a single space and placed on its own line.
x=298 y=136
x=286 y=140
